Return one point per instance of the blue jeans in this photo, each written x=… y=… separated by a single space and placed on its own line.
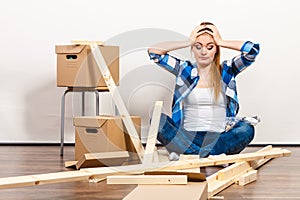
x=204 y=143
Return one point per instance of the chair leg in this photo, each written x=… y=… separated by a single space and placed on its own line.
x=83 y=103
x=97 y=102
x=62 y=122
x=62 y=118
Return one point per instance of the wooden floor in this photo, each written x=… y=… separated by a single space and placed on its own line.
x=278 y=179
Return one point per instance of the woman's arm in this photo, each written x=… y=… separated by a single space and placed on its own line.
x=229 y=44
x=164 y=47
x=249 y=51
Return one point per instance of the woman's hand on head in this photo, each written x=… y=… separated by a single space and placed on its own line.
x=210 y=29
x=196 y=32
x=215 y=33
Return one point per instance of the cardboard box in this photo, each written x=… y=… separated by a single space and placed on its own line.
x=76 y=66
x=97 y=134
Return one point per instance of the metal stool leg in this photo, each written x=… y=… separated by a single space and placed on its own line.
x=62 y=122
x=97 y=103
x=83 y=104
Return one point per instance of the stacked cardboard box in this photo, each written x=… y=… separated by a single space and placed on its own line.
x=100 y=134
x=76 y=66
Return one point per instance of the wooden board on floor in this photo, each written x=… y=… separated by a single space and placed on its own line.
x=233 y=170
x=248 y=177
x=71 y=164
x=191 y=191
x=199 y=192
x=41 y=179
x=227 y=176
x=215 y=185
x=148 y=179
x=192 y=176
x=102 y=159
x=85 y=174
x=258 y=163
x=99 y=159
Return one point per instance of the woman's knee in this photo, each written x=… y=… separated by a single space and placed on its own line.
x=163 y=120
x=166 y=129
x=248 y=130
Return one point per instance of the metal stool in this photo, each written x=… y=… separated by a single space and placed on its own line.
x=83 y=91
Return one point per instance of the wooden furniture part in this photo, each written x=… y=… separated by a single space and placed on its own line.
x=191 y=191
x=194 y=191
x=227 y=176
x=86 y=42
x=148 y=179
x=152 y=134
x=216 y=198
x=118 y=100
x=233 y=170
x=191 y=175
x=255 y=164
x=101 y=159
x=88 y=173
x=248 y=177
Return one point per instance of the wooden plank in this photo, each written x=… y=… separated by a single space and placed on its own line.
x=148 y=179
x=96 y=180
x=87 y=173
x=118 y=100
x=155 y=155
x=195 y=170
x=102 y=159
x=197 y=193
x=70 y=164
x=61 y=177
x=248 y=177
x=235 y=158
x=194 y=163
x=232 y=170
x=221 y=180
x=99 y=159
x=191 y=191
x=19 y=181
x=40 y=179
x=216 y=198
x=252 y=156
x=191 y=176
x=215 y=186
x=152 y=134
x=258 y=163
x=86 y=42
x=188 y=157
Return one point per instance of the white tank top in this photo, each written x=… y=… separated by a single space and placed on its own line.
x=201 y=113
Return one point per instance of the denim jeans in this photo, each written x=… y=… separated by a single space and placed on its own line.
x=204 y=143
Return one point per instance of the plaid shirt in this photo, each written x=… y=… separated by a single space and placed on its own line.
x=187 y=78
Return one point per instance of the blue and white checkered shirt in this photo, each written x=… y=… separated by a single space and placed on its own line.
x=187 y=78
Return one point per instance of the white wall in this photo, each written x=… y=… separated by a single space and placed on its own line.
x=30 y=100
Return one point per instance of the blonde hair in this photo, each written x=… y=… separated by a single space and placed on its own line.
x=215 y=74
